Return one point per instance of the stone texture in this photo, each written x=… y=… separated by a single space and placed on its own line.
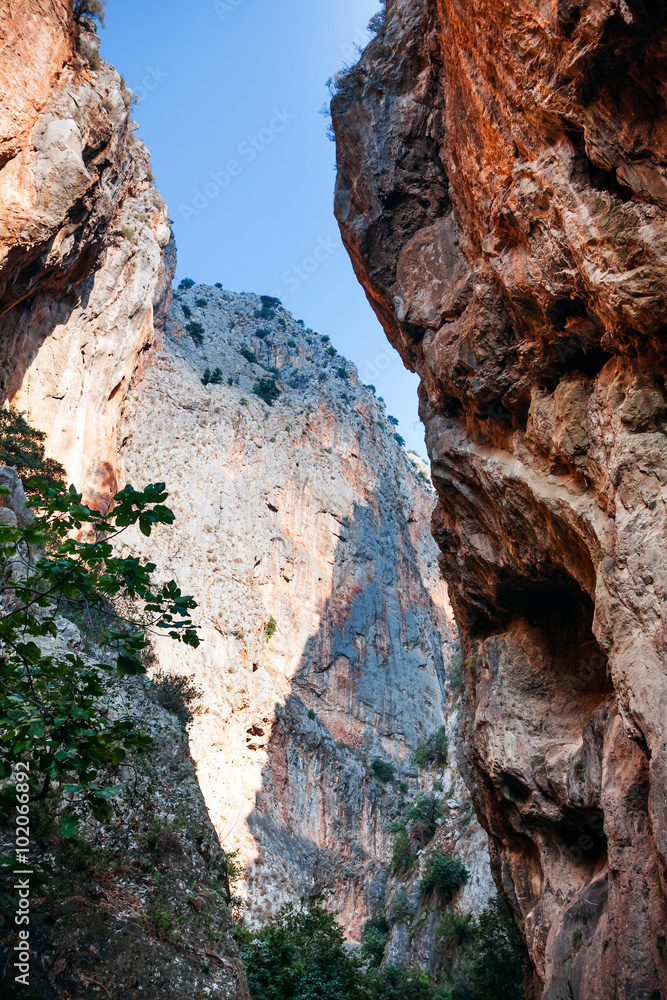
x=308 y=512
x=85 y=262
x=501 y=194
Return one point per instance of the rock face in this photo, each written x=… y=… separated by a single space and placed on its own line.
x=85 y=260
x=305 y=516
x=502 y=192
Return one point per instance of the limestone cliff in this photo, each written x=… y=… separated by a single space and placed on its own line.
x=85 y=259
x=304 y=514
x=502 y=194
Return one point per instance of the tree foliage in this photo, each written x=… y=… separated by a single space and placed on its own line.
x=214 y=377
x=443 y=875
x=52 y=708
x=21 y=447
x=402 y=858
x=374 y=937
x=267 y=390
x=383 y=770
x=87 y=12
x=301 y=955
x=424 y=814
x=433 y=750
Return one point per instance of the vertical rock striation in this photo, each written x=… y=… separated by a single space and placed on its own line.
x=502 y=192
x=307 y=513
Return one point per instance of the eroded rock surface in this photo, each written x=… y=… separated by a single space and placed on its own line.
x=310 y=514
x=85 y=254
x=501 y=192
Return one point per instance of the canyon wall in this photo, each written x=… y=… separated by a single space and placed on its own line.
x=502 y=193
x=304 y=512
x=85 y=254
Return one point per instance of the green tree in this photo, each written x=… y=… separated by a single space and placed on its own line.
x=433 y=750
x=383 y=770
x=424 y=814
x=86 y=12
x=301 y=955
x=393 y=982
x=267 y=390
x=498 y=968
x=21 y=447
x=214 y=378
x=402 y=857
x=53 y=715
x=271 y=627
x=443 y=875
x=196 y=331
x=374 y=937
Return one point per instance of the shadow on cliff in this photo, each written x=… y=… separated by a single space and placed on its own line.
x=29 y=317
x=369 y=683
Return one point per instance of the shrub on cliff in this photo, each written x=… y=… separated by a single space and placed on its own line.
x=443 y=875
x=455 y=928
x=21 y=447
x=86 y=12
x=213 y=377
x=185 y=283
x=267 y=390
x=402 y=858
x=196 y=331
x=424 y=814
x=248 y=355
x=382 y=769
x=271 y=627
x=433 y=750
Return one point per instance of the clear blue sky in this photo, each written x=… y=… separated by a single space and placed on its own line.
x=229 y=93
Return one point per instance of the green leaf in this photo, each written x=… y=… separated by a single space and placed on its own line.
x=129 y=666
x=68 y=826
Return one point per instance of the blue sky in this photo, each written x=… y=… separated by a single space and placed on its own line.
x=229 y=94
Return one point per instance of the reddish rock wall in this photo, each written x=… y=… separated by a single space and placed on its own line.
x=85 y=258
x=502 y=194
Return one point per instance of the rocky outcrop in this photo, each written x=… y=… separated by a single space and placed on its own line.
x=85 y=258
x=300 y=514
x=501 y=192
